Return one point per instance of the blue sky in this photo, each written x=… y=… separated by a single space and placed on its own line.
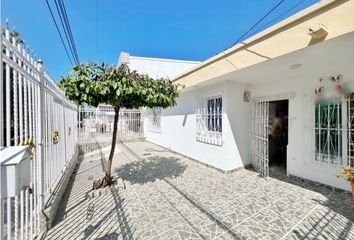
x=180 y=29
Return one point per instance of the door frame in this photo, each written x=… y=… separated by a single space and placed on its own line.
x=270 y=98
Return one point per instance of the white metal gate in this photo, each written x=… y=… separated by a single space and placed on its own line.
x=34 y=112
x=260 y=137
x=96 y=124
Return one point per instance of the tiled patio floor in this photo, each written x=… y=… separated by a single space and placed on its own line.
x=170 y=197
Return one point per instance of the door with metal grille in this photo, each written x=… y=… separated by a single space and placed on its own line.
x=260 y=137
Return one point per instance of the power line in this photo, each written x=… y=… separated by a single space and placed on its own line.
x=61 y=37
x=259 y=21
x=279 y=17
x=66 y=29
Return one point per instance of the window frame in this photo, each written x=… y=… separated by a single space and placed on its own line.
x=343 y=129
x=209 y=120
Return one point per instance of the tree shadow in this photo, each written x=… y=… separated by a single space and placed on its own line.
x=118 y=208
x=111 y=236
x=336 y=211
x=151 y=169
x=75 y=206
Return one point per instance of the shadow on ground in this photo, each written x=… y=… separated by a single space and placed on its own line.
x=85 y=217
x=151 y=169
x=335 y=211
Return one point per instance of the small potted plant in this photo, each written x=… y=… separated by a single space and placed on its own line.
x=348 y=174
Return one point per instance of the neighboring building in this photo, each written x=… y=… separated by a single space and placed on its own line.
x=156 y=67
x=261 y=101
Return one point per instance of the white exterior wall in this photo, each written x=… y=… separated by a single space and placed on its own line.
x=178 y=130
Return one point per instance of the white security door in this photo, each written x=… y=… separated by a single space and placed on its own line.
x=260 y=137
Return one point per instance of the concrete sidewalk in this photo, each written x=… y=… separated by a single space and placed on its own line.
x=168 y=196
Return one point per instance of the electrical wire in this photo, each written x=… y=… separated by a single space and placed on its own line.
x=278 y=17
x=258 y=22
x=66 y=30
x=67 y=23
x=61 y=37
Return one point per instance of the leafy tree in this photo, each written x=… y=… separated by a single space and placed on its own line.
x=95 y=84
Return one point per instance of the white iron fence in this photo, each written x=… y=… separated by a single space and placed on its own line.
x=96 y=124
x=35 y=112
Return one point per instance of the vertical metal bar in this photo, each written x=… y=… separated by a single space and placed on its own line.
x=8 y=218
x=25 y=103
x=16 y=218
x=15 y=107
x=8 y=93
x=339 y=147
x=27 y=215
x=40 y=139
x=328 y=133
x=1 y=103
x=20 y=79
x=22 y=214
x=319 y=133
x=1 y=118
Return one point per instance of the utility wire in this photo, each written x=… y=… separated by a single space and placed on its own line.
x=66 y=31
x=278 y=17
x=68 y=27
x=61 y=37
x=259 y=21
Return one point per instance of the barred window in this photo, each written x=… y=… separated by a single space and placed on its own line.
x=155 y=119
x=328 y=133
x=215 y=114
x=209 y=121
x=334 y=132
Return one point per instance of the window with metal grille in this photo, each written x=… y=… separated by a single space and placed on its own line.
x=209 y=121
x=328 y=133
x=214 y=106
x=155 y=119
x=334 y=132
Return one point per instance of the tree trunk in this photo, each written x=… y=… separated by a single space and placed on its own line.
x=114 y=138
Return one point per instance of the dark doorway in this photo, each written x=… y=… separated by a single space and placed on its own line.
x=278 y=135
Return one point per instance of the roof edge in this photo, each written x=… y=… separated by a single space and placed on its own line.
x=269 y=32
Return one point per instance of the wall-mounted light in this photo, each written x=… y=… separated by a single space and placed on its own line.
x=247 y=96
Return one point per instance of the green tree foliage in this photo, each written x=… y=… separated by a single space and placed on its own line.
x=95 y=84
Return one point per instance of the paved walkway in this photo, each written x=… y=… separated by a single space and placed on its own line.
x=170 y=197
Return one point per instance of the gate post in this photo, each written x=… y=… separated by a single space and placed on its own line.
x=40 y=143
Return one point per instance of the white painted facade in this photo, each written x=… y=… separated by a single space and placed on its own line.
x=274 y=79
x=288 y=61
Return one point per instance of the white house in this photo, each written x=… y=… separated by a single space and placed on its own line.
x=156 y=67
x=282 y=97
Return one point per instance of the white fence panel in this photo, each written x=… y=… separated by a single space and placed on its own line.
x=34 y=112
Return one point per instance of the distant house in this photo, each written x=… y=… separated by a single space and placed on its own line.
x=281 y=99
x=156 y=67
